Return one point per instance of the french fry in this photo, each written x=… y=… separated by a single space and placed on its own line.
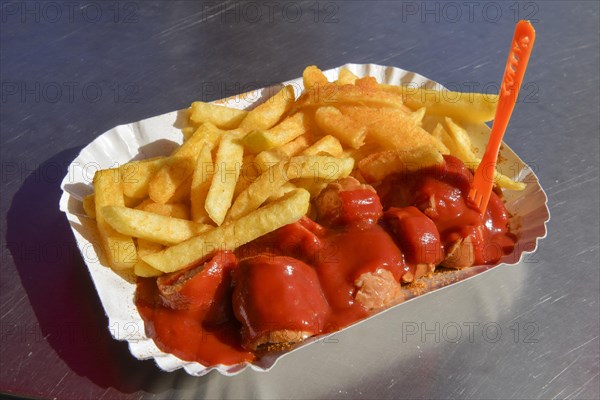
x=327 y=145
x=230 y=236
x=331 y=121
x=180 y=166
x=136 y=176
x=120 y=249
x=392 y=129
x=462 y=143
x=201 y=181
x=313 y=187
x=258 y=191
x=150 y=226
x=346 y=77
x=220 y=116
x=141 y=268
x=311 y=168
x=89 y=205
x=333 y=95
x=313 y=76
x=182 y=193
x=471 y=107
x=379 y=165
x=461 y=148
x=266 y=115
x=282 y=191
x=227 y=171
x=188 y=131
x=319 y=168
x=418 y=115
x=175 y=210
x=286 y=131
x=145 y=247
x=268 y=158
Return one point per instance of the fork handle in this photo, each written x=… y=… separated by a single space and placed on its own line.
x=518 y=57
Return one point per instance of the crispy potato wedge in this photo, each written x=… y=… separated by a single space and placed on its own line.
x=150 y=226
x=119 y=249
x=230 y=236
x=220 y=116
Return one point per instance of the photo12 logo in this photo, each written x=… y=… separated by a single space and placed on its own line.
x=469 y=11
x=68 y=92
x=254 y=12
x=454 y=332
x=69 y=12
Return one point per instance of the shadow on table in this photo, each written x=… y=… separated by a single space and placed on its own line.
x=60 y=290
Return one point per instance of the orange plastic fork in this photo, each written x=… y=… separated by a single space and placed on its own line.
x=518 y=57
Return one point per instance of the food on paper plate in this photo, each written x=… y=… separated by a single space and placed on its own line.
x=299 y=217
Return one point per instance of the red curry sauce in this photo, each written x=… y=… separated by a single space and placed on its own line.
x=301 y=278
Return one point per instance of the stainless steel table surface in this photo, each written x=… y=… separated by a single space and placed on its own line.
x=74 y=69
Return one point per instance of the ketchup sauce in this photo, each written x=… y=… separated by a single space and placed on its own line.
x=304 y=277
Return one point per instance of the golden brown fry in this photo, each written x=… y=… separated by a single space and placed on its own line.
x=89 y=205
x=267 y=114
x=175 y=210
x=462 y=143
x=136 y=176
x=220 y=116
x=265 y=159
x=150 y=226
x=201 y=180
x=288 y=130
x=379 y=165
x=461 y=148
x=180 y=166
x=327 y=145
x=471 y=107
x=364 y=95
x=346 y=77
x=392 y=129
x=313 y=76
x=141 y=268
x=331 y=121
x=258 y=191
x=119 y=249
x=227 y=171
x=230 y=236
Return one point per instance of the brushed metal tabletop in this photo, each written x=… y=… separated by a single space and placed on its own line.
x=72 y=70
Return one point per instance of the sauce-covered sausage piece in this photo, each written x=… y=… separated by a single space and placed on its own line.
x=278 y=300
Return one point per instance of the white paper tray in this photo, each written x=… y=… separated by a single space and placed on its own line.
x=159 y=135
